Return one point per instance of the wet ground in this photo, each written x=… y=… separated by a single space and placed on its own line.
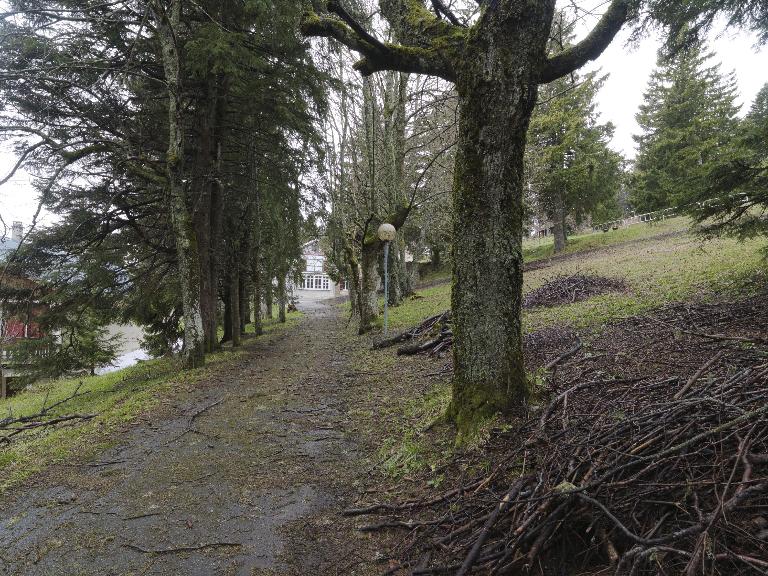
x=245 y=475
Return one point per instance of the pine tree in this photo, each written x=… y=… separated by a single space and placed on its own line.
x=735 y=202
x=570 y=168
x=688 y=120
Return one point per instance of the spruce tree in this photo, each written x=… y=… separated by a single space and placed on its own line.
x=688 y=120
x=735 y=200
x=570 y=168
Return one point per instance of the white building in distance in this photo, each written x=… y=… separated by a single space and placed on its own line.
x=315 y=282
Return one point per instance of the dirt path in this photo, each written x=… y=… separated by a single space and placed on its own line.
x=243 y=476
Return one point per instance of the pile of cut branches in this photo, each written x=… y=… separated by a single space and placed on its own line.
x=437 y=330
x=628 y=477
x=48 y=416
x=569 y=288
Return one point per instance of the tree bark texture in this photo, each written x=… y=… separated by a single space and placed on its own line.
x=234 y=305
x=282 y=298
x=369 y=284
x=497 y=91
x=193 y=352
x=496 y=65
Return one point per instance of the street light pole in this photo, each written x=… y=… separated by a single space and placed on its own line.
x=386 y=286
x=386 y=234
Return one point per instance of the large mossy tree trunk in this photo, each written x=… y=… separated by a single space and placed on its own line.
x=497 y=92
x=496 y=64
x=188 y=259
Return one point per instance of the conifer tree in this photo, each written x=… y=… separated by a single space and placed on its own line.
x=735 y=201
x=570 y=167
x=688 y=120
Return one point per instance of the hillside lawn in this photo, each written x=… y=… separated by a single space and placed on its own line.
x=661 y=262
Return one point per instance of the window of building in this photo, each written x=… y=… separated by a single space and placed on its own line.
x=315 y=282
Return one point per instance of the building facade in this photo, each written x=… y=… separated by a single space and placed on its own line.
x=315 y=283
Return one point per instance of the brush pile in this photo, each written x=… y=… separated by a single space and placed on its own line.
x=628 y=477
x=436 y=330
x=567 y=289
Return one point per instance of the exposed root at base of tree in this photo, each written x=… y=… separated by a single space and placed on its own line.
x=651 y=457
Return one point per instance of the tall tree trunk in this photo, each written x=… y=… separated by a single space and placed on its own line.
x=368 y=300
x=203 y=168
x=269 y=291
x=215 y=227
x=406 y=281
x=258 y=324
x=497 y=91
x=227 y=320
x=353 y=282
x=395 y=274
x=258 y=279
x=559 y=230
x=282 y=298
x=193 y=352
x=234 y=304
x=245 y=305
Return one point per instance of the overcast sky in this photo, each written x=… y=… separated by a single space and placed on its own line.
x=628 y=69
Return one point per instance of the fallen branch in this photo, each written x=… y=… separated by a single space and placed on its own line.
x=181 y=549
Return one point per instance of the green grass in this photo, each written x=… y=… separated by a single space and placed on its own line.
x=116 y=398
x=660 y=263
x=661 y=269
x=540 y=249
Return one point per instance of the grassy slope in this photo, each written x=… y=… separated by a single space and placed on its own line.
x=117 y=398
x=659 y=266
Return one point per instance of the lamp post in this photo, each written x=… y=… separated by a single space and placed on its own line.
x=386 y=234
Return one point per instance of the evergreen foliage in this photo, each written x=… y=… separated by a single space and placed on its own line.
x=735 y=202
x=571 y=170
x=688 y=121
x=86 y=100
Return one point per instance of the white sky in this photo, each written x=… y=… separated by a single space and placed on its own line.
x=628 y=69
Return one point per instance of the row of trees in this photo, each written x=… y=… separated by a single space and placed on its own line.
x=172 y=141
x=177 y=141
x=497 y=55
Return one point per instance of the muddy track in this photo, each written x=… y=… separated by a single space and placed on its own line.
x=222 y=484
